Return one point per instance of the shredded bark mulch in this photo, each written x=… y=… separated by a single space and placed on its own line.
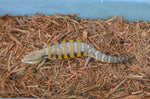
x=68 y=78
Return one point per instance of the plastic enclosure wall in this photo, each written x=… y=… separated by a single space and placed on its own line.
x=131 y=9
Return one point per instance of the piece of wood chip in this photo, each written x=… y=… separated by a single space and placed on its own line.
x=84 y=35
x=13 y=38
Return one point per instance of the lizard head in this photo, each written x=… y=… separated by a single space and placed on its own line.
x=33 y=57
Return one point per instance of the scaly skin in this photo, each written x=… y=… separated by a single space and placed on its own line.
x=69 y=49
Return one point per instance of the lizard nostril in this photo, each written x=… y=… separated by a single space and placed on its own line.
x=22 y=60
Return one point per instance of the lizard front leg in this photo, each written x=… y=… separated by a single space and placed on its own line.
x=41 y=64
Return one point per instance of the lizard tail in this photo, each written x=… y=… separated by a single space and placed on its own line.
x=110 y=59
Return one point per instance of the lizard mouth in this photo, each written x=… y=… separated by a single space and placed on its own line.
x=30 y=61
x=24 y=61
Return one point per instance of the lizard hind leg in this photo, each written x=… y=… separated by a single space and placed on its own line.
x=87 y=61
x=89 y=56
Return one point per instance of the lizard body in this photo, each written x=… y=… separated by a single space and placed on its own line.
x=69 y=49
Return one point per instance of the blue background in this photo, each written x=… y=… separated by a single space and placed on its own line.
x=131 y=9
